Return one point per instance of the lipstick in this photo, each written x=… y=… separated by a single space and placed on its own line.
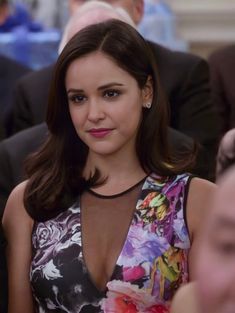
x=99 y=132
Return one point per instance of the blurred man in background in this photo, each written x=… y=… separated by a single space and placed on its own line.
x=222 y=68
x=10 y=72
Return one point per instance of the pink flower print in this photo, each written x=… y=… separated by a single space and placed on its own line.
x=133 y=273
x=120 y=304
x=123 y=297
x=158 y=308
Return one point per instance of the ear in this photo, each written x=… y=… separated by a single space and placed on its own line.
x=147 y=91
x=138 y=11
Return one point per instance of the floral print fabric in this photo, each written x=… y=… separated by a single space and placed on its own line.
x=150 y=268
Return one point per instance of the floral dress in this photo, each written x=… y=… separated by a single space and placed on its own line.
x=150 y=268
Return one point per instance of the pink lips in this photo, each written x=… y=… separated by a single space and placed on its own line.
x=99 y=132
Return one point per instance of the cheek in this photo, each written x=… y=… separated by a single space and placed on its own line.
x=206 y=274
x=208 y=286
x=214 y=275
x=131 y=120
x=76 y=117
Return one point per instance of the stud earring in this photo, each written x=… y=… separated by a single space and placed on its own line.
x=148 y=105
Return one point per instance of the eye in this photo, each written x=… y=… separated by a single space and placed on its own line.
x=76 y=98
x=227 y=248
x=111 y=93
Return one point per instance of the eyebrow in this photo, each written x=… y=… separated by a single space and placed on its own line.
x=99 y=88
x=110 y=85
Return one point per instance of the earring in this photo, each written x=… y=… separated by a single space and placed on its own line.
x=148 y=105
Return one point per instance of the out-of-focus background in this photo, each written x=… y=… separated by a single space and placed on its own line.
x=204 y=24
x=200 y=27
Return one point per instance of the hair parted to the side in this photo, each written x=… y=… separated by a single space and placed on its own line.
x=55 y=171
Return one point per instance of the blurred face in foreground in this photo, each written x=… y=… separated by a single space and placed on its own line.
x=216 y=260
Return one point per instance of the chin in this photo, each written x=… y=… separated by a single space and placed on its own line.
x=104 y=150
x=104 y=153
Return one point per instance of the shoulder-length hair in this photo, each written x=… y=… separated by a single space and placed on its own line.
x=55 y=171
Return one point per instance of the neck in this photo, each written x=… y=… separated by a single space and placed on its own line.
x=121 y=171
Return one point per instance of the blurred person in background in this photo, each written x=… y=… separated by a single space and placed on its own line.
x=15 y=15
x=222 y=68
x=185 y=79
x=10 y=72
x=51 y=14
x=13 y=18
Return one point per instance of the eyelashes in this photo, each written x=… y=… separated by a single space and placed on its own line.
x=109 y=94
x=227 y=248
x=77 y=98
x=112 y=93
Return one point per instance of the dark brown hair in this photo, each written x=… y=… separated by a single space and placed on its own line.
x=55 y=171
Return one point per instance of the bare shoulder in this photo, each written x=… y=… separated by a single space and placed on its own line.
x=202 y=186
x=200 y=194
x=15 y=215
x=185 y=299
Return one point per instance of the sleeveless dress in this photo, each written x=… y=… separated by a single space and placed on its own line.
x=150 y=268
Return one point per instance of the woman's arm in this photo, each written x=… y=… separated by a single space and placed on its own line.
x=18 y=228
x=198 y=204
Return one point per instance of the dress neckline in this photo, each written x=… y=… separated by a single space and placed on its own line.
x=125 y=242
x=98 y=195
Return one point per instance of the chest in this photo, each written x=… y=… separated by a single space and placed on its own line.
x=105 y=223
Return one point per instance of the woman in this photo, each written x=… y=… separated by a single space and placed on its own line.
x=106 y=220
x=214 y=269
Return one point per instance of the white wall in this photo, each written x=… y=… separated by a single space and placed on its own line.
x=205 y=24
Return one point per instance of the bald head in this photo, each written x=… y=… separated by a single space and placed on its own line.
x=135 y=8
x=92 y=12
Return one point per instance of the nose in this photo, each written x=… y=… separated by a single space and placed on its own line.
x=95 y=111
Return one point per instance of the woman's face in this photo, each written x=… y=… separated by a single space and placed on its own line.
x=216 y=259
x=105 y=104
